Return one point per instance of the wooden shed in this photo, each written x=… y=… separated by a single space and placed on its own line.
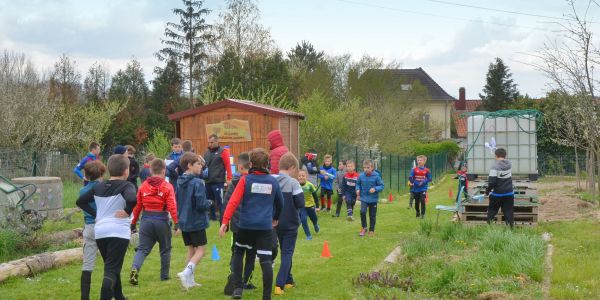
x=240 y=124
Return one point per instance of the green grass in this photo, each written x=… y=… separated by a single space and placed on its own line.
x=576 y=259
x=70 y=193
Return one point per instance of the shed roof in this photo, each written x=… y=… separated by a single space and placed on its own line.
x=236 y=103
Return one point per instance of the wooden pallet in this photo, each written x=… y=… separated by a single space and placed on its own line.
x=524 y=219
x=483 y=208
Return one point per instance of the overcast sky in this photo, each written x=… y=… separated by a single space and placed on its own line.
x=453 y=43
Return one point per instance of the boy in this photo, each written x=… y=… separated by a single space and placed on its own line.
x=93 y=170
x=349 y=188
x=368 y=186
x=173 y=169
x=243 y=165
x=91 y=156
x=115 y=200
x=309 y=162
x=500 y=189
x=326 y=176
x=309 y=204
x=145 y=172
x=192 y=211
x=261 y=204
x=339 y=180
x=463 y=183
x=419 y=179
x=287 y=228
x=134 y=166
x=173 y=157
x=157 y=199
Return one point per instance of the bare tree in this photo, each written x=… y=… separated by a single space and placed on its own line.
x=96 y=83
x=65 y=80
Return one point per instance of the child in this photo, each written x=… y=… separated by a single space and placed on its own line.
x=309 y=204
x=91 y=156
x=192 y=210
x=157 y=199
x=145 y=172
x=419 y=179
x=349 y=188
x=243 y=165
x=500 y=189
x=339 y=180
x=115 y=200
x=173 y=157
x=93 y=170
x=134 y=166
x=309 y=163
x=326 y=176
x=173 y=169
x=368 y=186
x=261 y=202
x=463 y=183
x=287 y=228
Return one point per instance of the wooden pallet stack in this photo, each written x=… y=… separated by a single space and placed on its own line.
x=525 y=209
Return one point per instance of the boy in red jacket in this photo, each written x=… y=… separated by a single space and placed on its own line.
x=157 y=199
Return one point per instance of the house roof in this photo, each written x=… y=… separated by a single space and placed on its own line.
x=461 y=123
x=436 y=92
x=236 y=103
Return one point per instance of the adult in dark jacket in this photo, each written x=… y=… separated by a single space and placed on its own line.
x=500 y=189
x=134 y=166
x=277 y=148
x=219 y=173
x=309 y=162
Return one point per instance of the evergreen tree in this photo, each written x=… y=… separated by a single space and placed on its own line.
x=500 y=90
x=165 y=98
x=187 y=41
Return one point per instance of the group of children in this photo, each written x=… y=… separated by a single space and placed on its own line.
x=264 y=212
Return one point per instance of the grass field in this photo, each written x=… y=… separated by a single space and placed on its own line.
x=319 y=278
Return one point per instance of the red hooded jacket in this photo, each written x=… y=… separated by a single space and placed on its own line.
x=155 y=194
x=278 y=149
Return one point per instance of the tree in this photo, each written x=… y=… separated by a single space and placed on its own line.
x=129 y=87
x=165 y=98
x=96 y=83
x=239 y=30
x=65 y=80
x=305 y=56
x=187 y=41
x=500 y=89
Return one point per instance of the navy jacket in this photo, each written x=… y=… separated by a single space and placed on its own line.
x=192 y=205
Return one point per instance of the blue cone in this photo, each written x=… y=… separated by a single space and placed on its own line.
x=215 y=253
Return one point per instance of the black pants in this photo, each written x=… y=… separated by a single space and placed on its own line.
x=372 y=207
x=248 y=263
x=507 y=203
x=338 y=205
x=113 y=251
x=262 y=242
x=420 y=198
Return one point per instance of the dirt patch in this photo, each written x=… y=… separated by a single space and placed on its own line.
x=493 y=295
x=559 y=202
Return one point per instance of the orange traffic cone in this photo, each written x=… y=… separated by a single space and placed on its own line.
x=450 y=194
x=390 y=198
x=325 y=253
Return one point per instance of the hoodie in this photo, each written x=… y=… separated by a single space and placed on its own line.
x=155 y=195
x=365 y=182
x=293 y=200
x=192 y=205
x=500 y=179
x=278 y=149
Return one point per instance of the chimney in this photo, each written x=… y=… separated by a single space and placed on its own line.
x=461 y=104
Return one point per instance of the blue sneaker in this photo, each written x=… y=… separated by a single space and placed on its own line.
x=308 y=238
x=317 y=228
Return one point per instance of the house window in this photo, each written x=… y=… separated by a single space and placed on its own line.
x=406 y=87
x=426 y=120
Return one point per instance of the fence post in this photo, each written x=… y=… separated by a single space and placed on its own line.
x=356 y=155
x=337 y=151
x=34 y=166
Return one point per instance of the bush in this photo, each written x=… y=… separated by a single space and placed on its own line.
x=159 y=144
x=450 y=147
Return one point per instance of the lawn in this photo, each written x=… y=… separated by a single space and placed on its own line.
x=332 y=278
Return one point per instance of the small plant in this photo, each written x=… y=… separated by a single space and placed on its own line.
x=159 y=144
x=425 y=228
x=382 y=280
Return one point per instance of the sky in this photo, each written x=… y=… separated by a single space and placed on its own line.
x=452 y=42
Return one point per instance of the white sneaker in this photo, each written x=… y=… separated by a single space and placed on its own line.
x=184 y=280
x=191 y=281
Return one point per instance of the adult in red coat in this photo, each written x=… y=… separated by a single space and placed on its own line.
x=278 y=149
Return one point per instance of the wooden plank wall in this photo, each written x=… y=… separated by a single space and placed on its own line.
x=192 y=128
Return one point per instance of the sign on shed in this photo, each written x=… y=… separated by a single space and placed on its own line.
x=232 y=130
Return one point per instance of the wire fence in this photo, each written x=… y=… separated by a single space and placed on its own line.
x=560 y=165
x=394 y=169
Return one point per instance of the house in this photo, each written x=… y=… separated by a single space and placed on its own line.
x=421 y=90
x=240 y=124
x=460 y=107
